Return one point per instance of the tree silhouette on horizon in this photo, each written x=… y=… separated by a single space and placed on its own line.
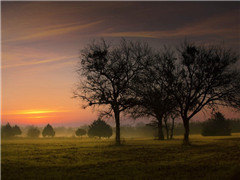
x=106 y=73
x=100 y=129
x=48 y=131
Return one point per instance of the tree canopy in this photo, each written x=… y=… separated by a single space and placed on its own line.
x=100 y=129
x=106 y=73
x=9 y=131
x=216 y=126
x=48 y=131
x=132 y=77
x=33 y=132
x=204 y=77
x=16 y=130
x=80 y=132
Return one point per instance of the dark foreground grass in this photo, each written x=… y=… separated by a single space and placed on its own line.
x=68 y=158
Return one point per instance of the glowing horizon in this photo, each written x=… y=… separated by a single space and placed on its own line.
x=35 y=111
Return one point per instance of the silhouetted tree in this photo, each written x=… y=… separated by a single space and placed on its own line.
x=217 y=126
x=106 y=73
x=235 y=125
x=16 y=130
x=80 y=132
x=6 y=131
x=48 y=131
x=33 y=132
x=149 y=87
x=205 y=77
x=100 y=129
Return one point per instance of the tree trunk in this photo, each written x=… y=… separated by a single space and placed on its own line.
x=117 y=120
x=160 y=128
x=172 y=128
x=186 y=134
x=166 y=127
x=167 y=131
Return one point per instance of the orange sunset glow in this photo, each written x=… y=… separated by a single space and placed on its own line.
x=41 y=43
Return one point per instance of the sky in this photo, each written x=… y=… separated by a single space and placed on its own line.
x=41 y=43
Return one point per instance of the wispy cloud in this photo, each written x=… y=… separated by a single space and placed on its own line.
x=54 y=31
x=39 y=62
x=189 y=31
x=217 y=25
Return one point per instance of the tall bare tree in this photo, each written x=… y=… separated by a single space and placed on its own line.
x=205 y=77
x=150 y=89
x=105 y=72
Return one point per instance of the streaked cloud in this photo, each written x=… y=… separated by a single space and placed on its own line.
x=189 y=31
x=217 y=25
x=38 y=62
x=54 y=31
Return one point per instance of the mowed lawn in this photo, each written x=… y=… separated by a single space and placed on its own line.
x=73 y=158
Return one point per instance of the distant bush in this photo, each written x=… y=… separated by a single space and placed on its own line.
x=48 y=131
x=80 y=132
x=100 y=129
x=16 y=130
x=6 y=131
x=9 y=131
x=217 y=126
x=33 y=132
x=235 y=125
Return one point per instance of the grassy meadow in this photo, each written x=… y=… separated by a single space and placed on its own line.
x=138 y=158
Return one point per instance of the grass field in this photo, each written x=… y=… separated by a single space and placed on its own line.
x=72 y=158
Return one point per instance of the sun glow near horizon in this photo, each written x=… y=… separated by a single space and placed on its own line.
x=44 y=116
x=36 y=111
x=32 y=111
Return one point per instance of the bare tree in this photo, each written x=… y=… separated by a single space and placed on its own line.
x=106 y=72
x=205 y=77
x=150 y=89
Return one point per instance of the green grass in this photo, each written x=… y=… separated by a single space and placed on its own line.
x=72 y=158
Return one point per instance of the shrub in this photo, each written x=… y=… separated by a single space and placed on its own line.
x=217 y=126
x=100 y=129
x=33 y=132
x=80 y=132
x=48 y=131
x=6 y=131
x=16 y=130
x=9 y=131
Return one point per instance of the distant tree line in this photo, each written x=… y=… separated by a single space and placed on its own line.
x=206 y=128
x=133 y=78
x=216 y=126
x=8 y=131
